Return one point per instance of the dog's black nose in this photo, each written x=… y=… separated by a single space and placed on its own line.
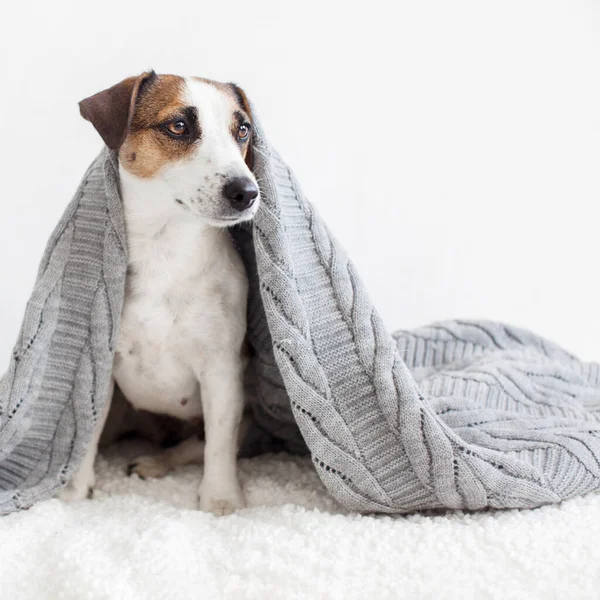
x=241 y=192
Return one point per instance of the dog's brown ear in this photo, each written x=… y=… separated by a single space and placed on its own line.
x=111 y=111
x=242 y=100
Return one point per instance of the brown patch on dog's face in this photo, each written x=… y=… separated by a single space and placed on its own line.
x=164 y=128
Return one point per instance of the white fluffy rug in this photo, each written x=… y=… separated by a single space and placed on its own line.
x=145 y=539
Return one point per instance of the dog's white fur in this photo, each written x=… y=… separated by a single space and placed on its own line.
x=184 y=316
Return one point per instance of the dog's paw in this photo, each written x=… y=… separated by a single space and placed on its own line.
x=149 y=466
x=221 y=502
x=221 y=507
x=80 y=486
x=76 y=491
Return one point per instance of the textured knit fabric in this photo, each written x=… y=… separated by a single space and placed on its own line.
x=460 y=415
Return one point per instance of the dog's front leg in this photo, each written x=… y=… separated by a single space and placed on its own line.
x=81 y=484
x=221 y=385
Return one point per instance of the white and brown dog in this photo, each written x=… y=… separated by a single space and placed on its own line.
x=184 y=147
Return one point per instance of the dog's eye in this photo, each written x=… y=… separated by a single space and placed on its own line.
x=177 y=128
x=243 y=132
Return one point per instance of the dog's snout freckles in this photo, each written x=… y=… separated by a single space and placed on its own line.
x=241 y=192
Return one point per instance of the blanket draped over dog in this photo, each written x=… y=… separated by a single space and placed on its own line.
x=460 y=415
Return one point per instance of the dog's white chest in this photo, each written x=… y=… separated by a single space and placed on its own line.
x=184 y=297
x=152 y=365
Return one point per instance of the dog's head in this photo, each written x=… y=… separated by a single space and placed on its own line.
x=191 y=136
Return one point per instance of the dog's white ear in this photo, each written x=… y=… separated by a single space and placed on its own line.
x=111 y=111
x=242 y=100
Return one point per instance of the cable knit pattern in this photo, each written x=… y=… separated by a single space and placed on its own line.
x=460 y=415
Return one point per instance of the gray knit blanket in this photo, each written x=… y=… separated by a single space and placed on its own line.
x=457 y=415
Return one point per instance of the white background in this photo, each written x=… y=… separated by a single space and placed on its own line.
x=453 y=147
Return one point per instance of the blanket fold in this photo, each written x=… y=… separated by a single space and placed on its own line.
x=459 y=415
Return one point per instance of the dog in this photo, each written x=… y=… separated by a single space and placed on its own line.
x=185 y=166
